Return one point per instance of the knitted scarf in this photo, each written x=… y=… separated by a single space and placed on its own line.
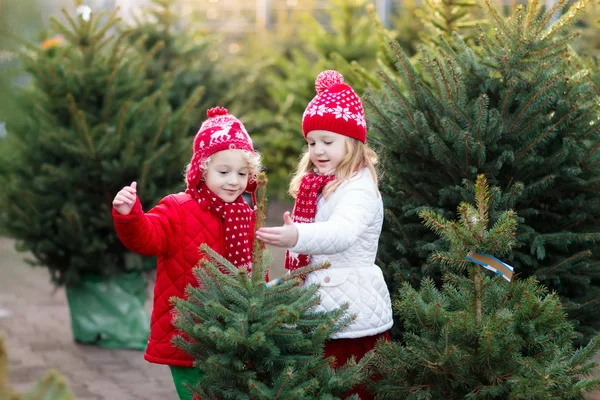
x=237 y=217
x=305 y=210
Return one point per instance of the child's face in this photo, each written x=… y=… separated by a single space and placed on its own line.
x=326 y=150
x=227 y=174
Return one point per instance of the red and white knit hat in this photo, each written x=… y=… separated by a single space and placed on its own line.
x=221 y=131
x=336 y=108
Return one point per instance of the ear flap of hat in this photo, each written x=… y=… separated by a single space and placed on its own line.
x=194 y=173
x=251 y=188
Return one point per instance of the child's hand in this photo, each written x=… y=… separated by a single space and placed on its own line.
x=125 y=199
x=283 y=236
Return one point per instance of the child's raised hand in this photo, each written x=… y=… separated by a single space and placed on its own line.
x=282 y=236
x=125 y=199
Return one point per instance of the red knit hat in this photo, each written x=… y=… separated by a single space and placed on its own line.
x=336 y=108
x=221 y=131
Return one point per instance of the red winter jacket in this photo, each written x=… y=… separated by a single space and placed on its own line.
x=172 y=231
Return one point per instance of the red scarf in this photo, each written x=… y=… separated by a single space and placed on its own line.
x=237 y=217
x=305 y=210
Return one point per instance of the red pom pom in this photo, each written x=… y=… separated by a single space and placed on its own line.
x=327 y=79
x=216 y=111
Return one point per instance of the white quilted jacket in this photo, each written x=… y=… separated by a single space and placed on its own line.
x=345 y=232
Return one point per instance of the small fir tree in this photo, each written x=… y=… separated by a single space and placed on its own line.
x=480 y=337
x=515 y=108
x=253 y=340
x=93 y=125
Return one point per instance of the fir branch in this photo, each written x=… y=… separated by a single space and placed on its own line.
x=189 y=106
x=122 y=114
x=115 y=68
x=482 y=198
x=585 y=354
x=400 y=97
x=470 y=221
x=532 y=100
x=559 y=46
x=546 y=133
x=483 y=104
x=532 y=121
x=548 y=15
x=159 y=132
x=587 y=303
x=121 y=120
x=500 y=22
x=425 y=90
x=590 y=153
x=444 y=151
x=51 y=71
x=33 y=65
x=466 y=139
x=435 y=222
x=568 y=260
x=566 y=19
x=592 y=165
x=428 y=65
x=410 y=72
x=155 y=155
x=582 y=116
x=457 y=86
x=449 y=260
x=373 y=107
x=60 y=28
x=79 y=120
x=111 y=21
x=390 y=214
x=531 y=14
x=118 y=51
x=446 y=86
x=491 y=53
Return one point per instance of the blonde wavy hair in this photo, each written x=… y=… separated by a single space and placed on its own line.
x=358 y=156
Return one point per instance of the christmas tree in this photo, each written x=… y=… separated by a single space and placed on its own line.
x=482 y=336
x=184 y=59
x=516 y=109
x=93 y=125
x=257 y=341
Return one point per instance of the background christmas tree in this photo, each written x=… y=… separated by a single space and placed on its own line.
x=184 y=60
x=256 y=341
x=93 y=125
x=479 y=336
x=515 y=108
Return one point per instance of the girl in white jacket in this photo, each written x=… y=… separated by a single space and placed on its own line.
x=337 y=217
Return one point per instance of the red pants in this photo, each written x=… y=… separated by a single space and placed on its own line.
x=343 y=349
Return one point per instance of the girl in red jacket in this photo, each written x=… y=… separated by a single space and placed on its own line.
x=212 y=211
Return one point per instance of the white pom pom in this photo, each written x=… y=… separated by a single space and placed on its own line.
x=327 y=79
